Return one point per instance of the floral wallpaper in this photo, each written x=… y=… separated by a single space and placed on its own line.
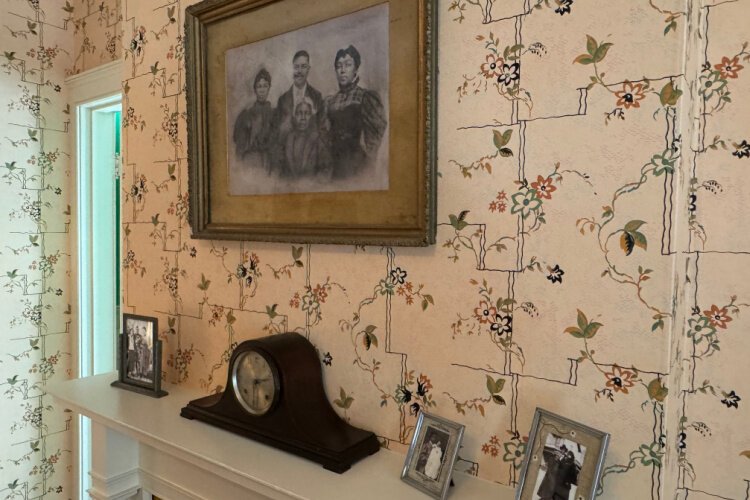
x=591 y=244
x=35 y=442
x=97 y=30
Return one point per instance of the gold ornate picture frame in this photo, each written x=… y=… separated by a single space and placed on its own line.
x=312 y=122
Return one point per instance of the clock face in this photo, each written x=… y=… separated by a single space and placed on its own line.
x=255 y=382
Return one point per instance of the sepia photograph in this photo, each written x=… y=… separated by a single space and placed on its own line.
x=307 y=110
x=431 y=454
x=140 y=350
x=562 y=460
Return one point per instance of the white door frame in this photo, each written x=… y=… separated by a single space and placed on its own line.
x=95 y=89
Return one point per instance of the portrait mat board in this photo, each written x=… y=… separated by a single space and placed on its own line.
x=261 y=172
x=548 y=427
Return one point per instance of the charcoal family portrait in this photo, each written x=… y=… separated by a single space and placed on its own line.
x=432 y=453
x=140 y=355
x=562 y=460
x=307 y=111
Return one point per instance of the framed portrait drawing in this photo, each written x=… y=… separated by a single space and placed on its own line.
x=312 y=122
x=139 y=356
x=563 y=460
x=432 y=454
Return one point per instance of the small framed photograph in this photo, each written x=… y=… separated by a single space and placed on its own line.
x=139 y=356
x=563 y=460
x=432 y=454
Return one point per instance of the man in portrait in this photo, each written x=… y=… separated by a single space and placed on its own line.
x=288 y=101
x=356 y=119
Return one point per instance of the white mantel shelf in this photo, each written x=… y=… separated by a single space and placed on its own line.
x=149 y=447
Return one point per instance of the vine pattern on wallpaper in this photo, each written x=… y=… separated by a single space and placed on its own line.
x=34 y=170
x=156 y=198
x=715 y=91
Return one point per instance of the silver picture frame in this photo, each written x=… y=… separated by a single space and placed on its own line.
x=563 y=455
x=432 y=455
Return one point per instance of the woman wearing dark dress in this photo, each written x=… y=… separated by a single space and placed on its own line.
x=252 y=129
x=355 y=119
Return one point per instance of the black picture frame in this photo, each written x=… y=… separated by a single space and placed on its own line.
x=139 y=352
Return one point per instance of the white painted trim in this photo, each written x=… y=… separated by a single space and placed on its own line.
x=95 y=83
x=122 y=486
x=190 y=460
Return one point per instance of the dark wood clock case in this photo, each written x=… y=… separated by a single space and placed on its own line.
x=302 y=420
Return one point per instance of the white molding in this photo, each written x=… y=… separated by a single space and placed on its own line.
x=90 y=86
x=95 y=83
x=190 y=460
x=123 y=486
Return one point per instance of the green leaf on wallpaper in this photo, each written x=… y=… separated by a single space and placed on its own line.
x=155 y=68
x=670 y=26
x=585 y=59
x=34 y=344
x=34 y=240
x=297 y=252
x=583 y=322
x=501 y=139
x=33 y=134
x=669 y=95
x=34 y=445
x=13 y=485
x=505 y=152
x=498 y=399
x=745 y=454
x=32 y=27
x=170 y=14
x=12 y=274
x=204 y=284
x=601 y=52
x=427 y=299
x=171 y=321
x=495 y=386
x=271 y=311
x=10 y=56
x=231 y=318
x=68 y=8
x=171 y=170
x=632 y=238
x=657 y=391
x=633 y=225
x=344 y=401
x=456 y=223
x=155 y=219
x=12 y=381
x=591 y=45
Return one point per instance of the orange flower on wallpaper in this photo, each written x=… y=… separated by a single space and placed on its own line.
x=493 y=67
x=620 y=380
x=728 y=68
x=718 y=317
x=630 y=95
x=485 y=312
x=543 y=187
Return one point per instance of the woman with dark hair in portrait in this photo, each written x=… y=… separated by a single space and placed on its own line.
x=355 y=118
x=252 y=128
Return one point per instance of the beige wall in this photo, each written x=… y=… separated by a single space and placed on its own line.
x=638 y=258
